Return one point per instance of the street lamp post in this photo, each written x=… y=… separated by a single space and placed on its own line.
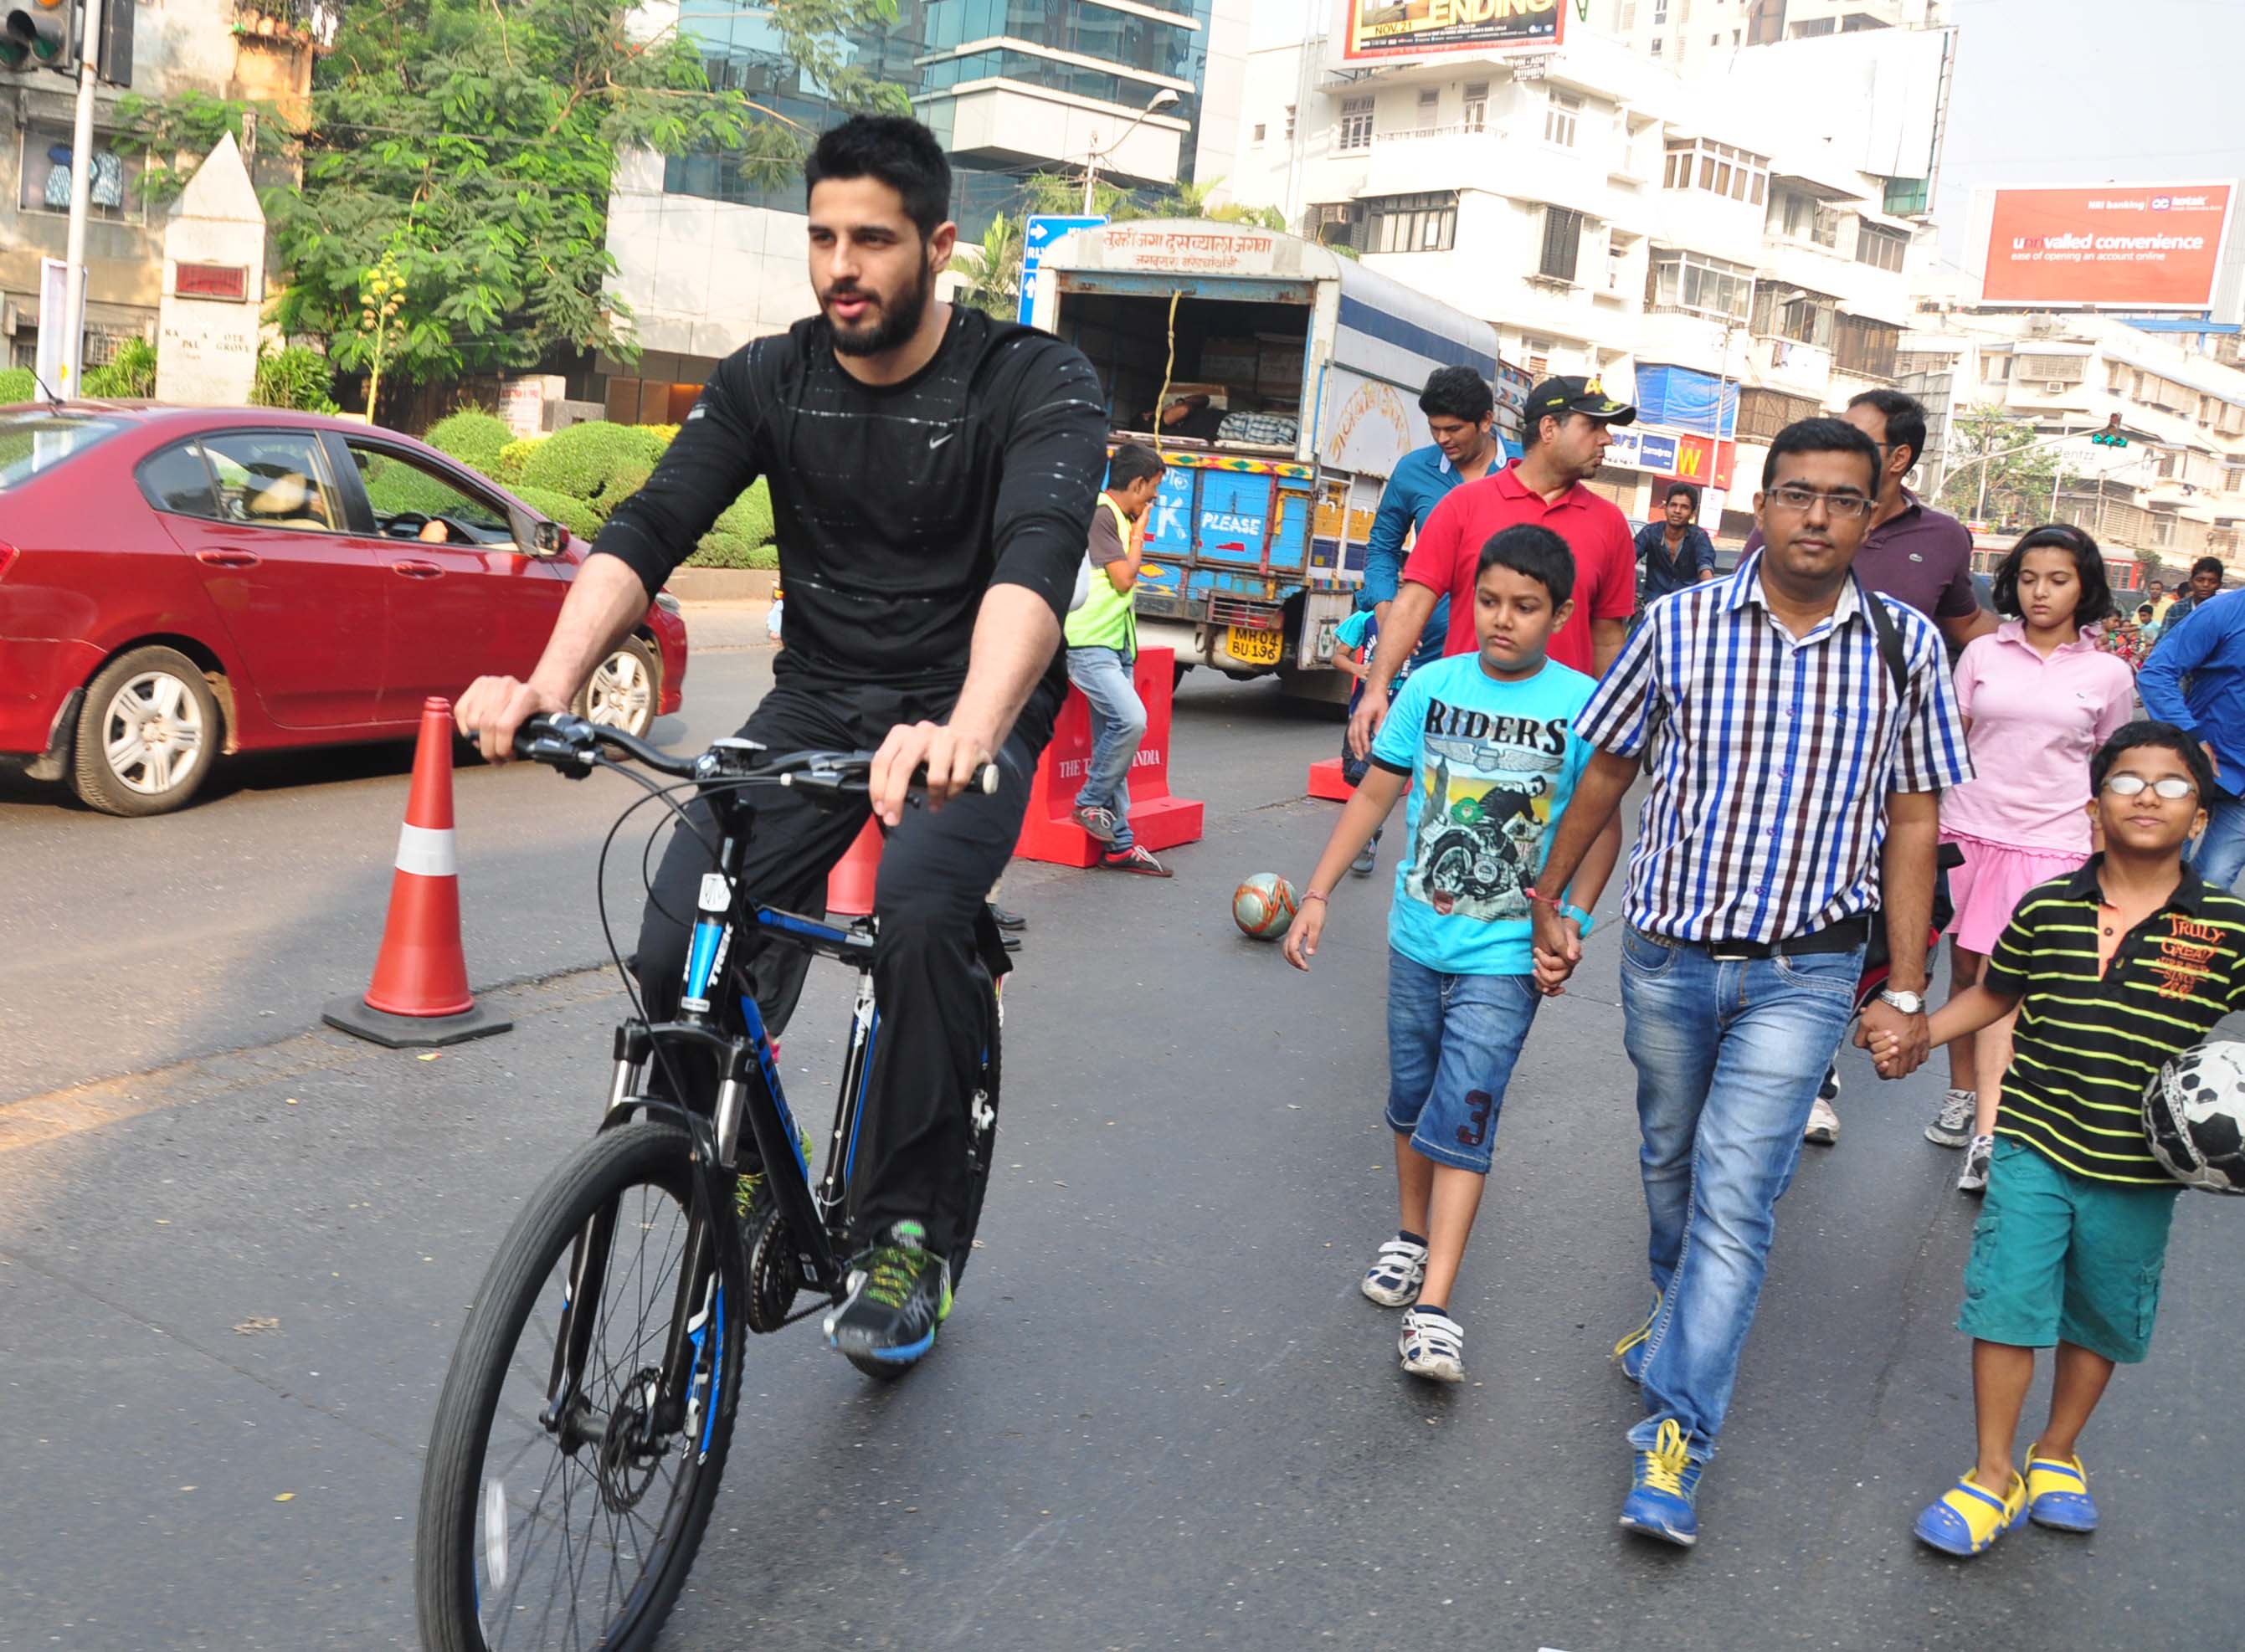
x=1162 y=99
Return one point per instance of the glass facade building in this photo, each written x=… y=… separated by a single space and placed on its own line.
x=1118 y=55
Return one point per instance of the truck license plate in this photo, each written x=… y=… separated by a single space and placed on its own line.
x=1254 y=647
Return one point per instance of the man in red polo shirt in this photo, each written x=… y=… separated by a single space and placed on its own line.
x=1568 y=425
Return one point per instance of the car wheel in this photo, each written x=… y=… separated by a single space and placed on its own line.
x=621 y=691
x=147 y=733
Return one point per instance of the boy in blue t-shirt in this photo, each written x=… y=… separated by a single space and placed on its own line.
x=1484 y=743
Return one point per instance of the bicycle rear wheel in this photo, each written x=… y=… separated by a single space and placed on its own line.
x=580 y=1533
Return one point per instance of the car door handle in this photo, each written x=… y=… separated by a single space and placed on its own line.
x=413 y=568
x=227 y=558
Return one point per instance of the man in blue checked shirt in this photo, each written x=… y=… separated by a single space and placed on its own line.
x=2208 y=649
x=1801 y=728
x=1459 y=407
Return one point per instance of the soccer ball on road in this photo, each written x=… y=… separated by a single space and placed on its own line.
x=1264 y=906
x=2195 y=1114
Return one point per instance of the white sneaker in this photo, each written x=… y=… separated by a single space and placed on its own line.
x=1823 y=1124
x=1952 y=1126
x=1397 y=1274
x=1433 y=1345
x=1978 y=1157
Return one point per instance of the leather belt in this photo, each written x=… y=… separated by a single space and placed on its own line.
x=1843 y=936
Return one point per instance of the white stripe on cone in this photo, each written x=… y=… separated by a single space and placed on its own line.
x=427 y=852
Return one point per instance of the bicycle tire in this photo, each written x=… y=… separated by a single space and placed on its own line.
x=451 y=1566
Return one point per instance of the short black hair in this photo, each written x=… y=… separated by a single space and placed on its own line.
x=2207 y=564
x=2167 y=737
x=1905 y=418
x=1456 y=393
x=899 y=151
x=2096 y=604
x=1687 y=490
x=1134 y=462
x=1821 y=436
x=1535 y=551
x=2143 y=608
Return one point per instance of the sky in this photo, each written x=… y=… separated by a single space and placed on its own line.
x=2055 y=92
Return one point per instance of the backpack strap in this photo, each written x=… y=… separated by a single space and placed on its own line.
x=1891 y=649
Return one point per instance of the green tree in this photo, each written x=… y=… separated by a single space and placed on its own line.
x=469 y=147
x=2013 y=486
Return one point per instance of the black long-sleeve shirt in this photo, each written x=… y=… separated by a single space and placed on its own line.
x=896 y=506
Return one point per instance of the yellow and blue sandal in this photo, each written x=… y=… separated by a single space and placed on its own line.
x=2058 y=1493
x=1965 y=1521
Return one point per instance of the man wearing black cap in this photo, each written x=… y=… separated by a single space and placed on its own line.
x=1569 y=422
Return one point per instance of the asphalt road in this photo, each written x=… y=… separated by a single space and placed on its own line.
x=236 y=1250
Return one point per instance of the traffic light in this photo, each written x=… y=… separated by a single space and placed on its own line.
x=2110 y=435
x=35 y=34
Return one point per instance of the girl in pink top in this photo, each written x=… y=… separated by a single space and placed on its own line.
x=2038 y=697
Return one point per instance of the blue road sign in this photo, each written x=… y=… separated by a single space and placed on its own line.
x=1042 y=232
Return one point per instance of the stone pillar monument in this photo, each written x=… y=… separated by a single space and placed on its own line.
x=214 y=294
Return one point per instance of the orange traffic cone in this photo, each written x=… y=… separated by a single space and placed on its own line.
x=419 y=996
x=850 y=886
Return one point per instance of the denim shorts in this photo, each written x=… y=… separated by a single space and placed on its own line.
x=2058 y=1257
x=1451 y=1040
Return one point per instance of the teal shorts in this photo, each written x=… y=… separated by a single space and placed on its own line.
x=2058 y=1257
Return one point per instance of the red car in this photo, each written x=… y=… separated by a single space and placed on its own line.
x=176 y=583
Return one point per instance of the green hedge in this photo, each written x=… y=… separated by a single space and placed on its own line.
x=129 y=377
x=508 y=468
x=573 y=514
x=18 y=384
x=720 y=550
x=600 y=462
x=472 y=436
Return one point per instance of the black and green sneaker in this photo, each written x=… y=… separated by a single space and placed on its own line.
x=900 y=1292
x=749 y=1185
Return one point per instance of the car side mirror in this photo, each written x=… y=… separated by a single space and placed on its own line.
x=548 y=538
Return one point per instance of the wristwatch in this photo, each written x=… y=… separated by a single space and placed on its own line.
x=1908 y=1003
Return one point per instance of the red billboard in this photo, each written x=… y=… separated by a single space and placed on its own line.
x=1382 y=28
x=2122 y=244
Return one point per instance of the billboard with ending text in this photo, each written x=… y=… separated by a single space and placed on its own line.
x=1414 y=27
x=2132 y=246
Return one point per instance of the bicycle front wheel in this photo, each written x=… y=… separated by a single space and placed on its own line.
x=566 y=1514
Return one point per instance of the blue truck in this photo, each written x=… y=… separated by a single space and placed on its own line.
x=1294 y=374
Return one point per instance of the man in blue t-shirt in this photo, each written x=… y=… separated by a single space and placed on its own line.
x=1484 y=744
x=1460 y=408
x=1674 y=552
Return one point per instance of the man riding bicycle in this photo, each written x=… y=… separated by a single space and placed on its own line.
x=932 y=473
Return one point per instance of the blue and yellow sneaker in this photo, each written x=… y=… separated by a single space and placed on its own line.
x=900 y=1292
x=1965 y=1521
x=1662 y=1489
x=1631 y=1349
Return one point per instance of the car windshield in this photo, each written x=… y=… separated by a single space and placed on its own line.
x=31 y=443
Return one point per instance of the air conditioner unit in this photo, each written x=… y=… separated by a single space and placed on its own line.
x=2053 y=386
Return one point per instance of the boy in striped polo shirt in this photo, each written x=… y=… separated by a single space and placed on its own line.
x=2114 y=968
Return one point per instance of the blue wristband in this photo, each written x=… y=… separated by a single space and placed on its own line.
x=1582 y=919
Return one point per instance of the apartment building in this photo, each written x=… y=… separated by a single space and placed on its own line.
x=257 y=50
x=1693 y=33
x=709 y=256
x=2175 y=492
x=1731 y=246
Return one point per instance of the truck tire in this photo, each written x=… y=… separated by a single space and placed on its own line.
x=147 y=735
x=1178 y=669
x=1325 y=687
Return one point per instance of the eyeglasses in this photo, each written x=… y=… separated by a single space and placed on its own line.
x=1842 y=505
x=2172 y=788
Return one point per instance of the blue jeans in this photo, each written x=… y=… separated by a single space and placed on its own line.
x=1118 y=722
x=2220 y=855
x=1729 y=1056
x=1452 y=1042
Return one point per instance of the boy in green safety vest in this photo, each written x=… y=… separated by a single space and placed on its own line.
x=1102 y=644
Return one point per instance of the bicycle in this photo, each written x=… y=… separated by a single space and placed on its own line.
x=629 y=1410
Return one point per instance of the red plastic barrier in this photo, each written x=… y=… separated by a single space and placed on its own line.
x=1328 y=781
x=850 y=886
x=1158 y=820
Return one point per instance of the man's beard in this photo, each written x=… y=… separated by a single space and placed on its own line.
x=897 y=322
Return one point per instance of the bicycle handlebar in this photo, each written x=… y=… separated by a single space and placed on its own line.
x=572 y=744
